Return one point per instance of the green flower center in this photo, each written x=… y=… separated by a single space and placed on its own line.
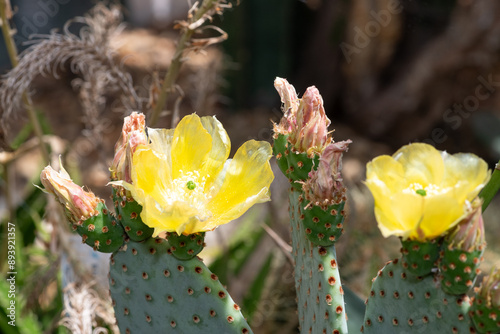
x=421 y=192
x=191 y=185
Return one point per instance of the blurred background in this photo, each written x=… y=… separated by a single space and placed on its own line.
x=391 y=72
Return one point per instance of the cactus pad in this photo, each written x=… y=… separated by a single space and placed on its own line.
x=101 y=232
x=185 y=247
x=317 y=280
x=129 y=213
x=299 y=166
x=280 y=146
x=153 y=292
x=459 y=269
x=419 y=258
x=401 y=303
x=486 y=318
x=295 y=165
x=323 y=227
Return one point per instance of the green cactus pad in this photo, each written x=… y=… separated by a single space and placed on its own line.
x=101 y=232
x=486 y=318
x=154 y=292
x=185 y=247
x=317 y=280
x=129 y=214
x=419 y=258
x=323 y=227
x=299 y=166
x=280 y=146
x=459 y=270
x=401 y=303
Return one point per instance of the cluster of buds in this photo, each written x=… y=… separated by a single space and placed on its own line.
x=304 y=119
x=310 y=146
x=133 y=134
x=80 y=204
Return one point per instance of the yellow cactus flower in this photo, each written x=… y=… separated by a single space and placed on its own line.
x=185 y=182
x=420 y=192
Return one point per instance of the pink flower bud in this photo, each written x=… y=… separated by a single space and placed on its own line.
x=324 y=186
x=468 y=235
x=133 y=135
x=79 y=204
x=311 y=134
x=304 y=120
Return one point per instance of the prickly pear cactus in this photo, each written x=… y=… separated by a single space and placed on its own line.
x=459 y=270
x=485 y=309
x=128 y=211
x=185 y=247
x=322 y=226
x=102 y=232
x=154 y=292
x=317 y=279
x=311 y=161
x=168 y=190
x=419 y=258
x=401 y=302
x=429 y=289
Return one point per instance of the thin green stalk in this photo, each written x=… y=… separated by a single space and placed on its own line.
x=175 y=65
x=491 y=188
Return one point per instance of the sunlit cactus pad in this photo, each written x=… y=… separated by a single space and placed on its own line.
x=323 y=227
x=402 y=303
x=185 y=247
x=295 y=165
x=485 y=316
x=128 y=212
x=459 y=270
x=153 y=292
x=317 y=280
x=419 y=258
x=101 y=232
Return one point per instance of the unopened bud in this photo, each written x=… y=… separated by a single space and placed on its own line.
x=468 y=235
x=325 y=184
x=79 y=204
x=304 y=120
x=133 y=134
x=312 y=123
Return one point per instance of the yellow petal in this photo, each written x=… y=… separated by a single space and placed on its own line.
x=387 y=170
x=191 y=145
x=422 y=163
x=246 y=182
x=221 y=146
x=441 y=212
x=150 y=173
x=467 y=171
x=167 y=217
x=408 y=210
